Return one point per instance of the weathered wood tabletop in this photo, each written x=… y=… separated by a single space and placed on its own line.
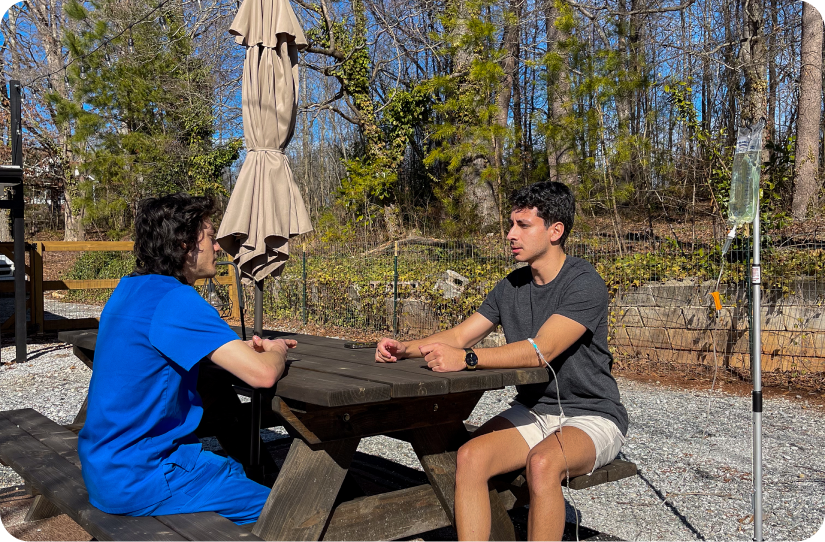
x=329 y=398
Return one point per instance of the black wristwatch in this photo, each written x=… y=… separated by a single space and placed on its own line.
x=470 y=359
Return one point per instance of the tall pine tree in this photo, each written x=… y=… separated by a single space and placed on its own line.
x=140 y=110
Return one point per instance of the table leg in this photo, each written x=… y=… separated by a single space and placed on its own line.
x=81 y=414
x=256 y=470
x=303 y=496
x=436 y=449
x=41 y=508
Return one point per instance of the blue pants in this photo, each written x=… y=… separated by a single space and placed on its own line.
x=214 y=484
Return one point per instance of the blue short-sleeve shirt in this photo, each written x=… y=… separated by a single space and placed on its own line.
x=143 y=400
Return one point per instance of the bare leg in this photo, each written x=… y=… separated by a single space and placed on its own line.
x=496 y=448
x=547 y=465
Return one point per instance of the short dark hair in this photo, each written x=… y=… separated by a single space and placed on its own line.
x=554 y=202
x=166 y=229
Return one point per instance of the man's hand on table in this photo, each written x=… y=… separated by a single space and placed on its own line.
x=259 y=362
x=389 y=350
x=442 y=358
x=271 y=345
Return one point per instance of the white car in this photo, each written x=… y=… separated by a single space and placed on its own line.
x=6 y=268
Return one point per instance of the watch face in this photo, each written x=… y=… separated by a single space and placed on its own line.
x=471 y=359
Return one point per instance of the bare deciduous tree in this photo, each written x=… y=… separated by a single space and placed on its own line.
x=806 y=175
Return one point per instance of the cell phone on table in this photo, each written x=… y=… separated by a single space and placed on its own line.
x=353 y=344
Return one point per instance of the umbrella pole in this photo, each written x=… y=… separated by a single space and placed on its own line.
x=255 y=469
x=259 y=307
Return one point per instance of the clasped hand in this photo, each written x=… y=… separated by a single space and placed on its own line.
x=440 y=357
x=271 y=345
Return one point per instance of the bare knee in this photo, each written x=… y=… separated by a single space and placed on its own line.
x=472 y=463
x=545 y=471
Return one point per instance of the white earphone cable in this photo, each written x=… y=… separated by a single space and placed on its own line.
x=561 y=422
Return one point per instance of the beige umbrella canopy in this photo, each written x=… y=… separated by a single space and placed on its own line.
x=266 y=208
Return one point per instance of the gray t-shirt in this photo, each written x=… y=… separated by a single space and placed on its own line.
x=521 y=307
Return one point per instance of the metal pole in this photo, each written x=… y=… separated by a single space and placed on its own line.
x=756 y=373
x=259 y=308
x=304 y=278
x=255 y=438
x=19 y=226
x=395 y=294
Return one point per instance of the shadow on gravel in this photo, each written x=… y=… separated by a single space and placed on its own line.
x=669 y=504
x=49 y=350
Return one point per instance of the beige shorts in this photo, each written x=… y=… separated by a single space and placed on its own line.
x=535 y=427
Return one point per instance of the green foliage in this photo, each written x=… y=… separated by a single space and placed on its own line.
x=97 y=266
x=464 y=132
x=716 y=155
x=140 y=113
x=372 y=174
x=356 y=290
x=331 y=230
x=776 y=182
x=207 y=167
x=372 y=177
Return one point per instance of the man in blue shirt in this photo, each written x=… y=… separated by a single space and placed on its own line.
x=138 y=447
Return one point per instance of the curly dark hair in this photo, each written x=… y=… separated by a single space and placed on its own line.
x=554 y=202
x=166 y=230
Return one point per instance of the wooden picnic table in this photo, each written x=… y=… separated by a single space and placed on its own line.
x=331 y=397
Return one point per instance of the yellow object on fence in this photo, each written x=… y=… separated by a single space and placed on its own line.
x=717 y=300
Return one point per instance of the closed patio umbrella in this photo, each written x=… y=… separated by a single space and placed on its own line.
x=266 y=208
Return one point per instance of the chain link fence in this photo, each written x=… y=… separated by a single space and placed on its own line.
x=662 y=316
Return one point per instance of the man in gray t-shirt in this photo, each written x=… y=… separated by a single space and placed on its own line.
x=554 y=314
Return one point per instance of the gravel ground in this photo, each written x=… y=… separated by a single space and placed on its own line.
x=693 y=446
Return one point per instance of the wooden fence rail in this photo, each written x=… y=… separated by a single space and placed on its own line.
x=36 y=287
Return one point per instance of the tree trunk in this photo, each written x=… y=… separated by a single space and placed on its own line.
x=47 y=17
x=732 y=76
x=773 y=83
x=72 y=217
x=559 y=148
x=624 y=97
x=806 y=174
x=5 y=231
x=5 y=131
x=510 y=45
x=477 y=193
x=754 y=57
x=480 y=194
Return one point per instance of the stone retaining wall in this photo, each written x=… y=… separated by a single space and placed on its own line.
x=675 y=322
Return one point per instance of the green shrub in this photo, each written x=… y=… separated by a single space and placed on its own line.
x=98 y=266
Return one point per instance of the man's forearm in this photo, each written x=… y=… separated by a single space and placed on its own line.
x=277 y=362
x=556 y=335
x=509 y=356
x=269 y=370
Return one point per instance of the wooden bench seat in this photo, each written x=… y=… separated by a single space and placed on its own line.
x=45 y=455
